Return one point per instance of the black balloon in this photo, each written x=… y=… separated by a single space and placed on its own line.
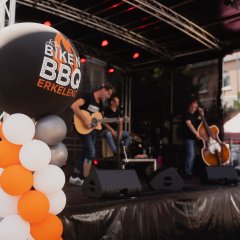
x=40 y=70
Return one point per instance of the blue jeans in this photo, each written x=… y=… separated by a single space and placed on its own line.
x=89 y=150
x=126 y=138
x=190 y=155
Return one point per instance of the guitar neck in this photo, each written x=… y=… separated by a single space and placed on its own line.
x=206 y=126
x=108 y=120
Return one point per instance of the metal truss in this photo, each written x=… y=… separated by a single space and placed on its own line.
x=7 y=9
x=174 y=19
x=85 y=49
x=71 y=13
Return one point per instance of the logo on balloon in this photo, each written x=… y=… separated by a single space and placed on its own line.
x=60 y=71
x=45 y=76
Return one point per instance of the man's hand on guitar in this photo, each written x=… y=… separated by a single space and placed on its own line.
x=198 y=136
x=88 y=123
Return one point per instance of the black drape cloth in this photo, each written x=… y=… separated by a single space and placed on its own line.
x=205 y=214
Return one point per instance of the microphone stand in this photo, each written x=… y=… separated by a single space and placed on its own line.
x=119 y=162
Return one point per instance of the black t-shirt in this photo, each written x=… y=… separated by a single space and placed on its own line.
x=187 y=133
x=91 y=104
x=108 y=113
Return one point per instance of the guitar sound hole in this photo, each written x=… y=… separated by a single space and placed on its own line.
x=94 y=122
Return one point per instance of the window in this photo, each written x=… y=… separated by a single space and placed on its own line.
x=203 y=83
x=226 y=84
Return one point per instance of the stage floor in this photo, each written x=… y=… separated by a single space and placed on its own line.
x=198 y=211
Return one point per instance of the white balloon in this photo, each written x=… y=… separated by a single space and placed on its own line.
x=1 y=170
x=49 y=180
x=8 y=204
x=18 y=128
x=30 y=237
x=35 y=155
x=57 y=202
x=14 y=227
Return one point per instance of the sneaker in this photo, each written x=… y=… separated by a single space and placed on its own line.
x=75 y=181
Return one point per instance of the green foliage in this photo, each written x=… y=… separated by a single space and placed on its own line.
x=236 y=103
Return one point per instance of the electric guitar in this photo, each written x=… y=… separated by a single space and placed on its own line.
x=96 y=121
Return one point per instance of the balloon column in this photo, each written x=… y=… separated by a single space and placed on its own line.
x=31 y=189
x=39 y=76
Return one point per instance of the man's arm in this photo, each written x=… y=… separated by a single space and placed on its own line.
x=192 y=129
x=76 y=107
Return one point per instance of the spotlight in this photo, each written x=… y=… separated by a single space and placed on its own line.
x=83 y=60
x=135 y=55
x=47 y=23
x=104 y=43
x=95 y=162
x=111 y=70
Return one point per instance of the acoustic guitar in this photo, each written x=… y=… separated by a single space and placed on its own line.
x=214 y=151
x=96 y=122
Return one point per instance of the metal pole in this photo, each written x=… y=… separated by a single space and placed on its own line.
x=12 y=12
x=2 y=13
x=237 y=62
x=170 y=154
x=130 y=104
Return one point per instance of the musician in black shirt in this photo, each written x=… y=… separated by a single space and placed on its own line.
x=115 y=129
x=191 y=120
x=92 y=103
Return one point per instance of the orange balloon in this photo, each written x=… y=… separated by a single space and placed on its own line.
x=9 y=154
x=33 y=206
x=50 y=228
x=1 y=133
x=16 y=180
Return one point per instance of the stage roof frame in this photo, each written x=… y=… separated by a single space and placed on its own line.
x=167 y=31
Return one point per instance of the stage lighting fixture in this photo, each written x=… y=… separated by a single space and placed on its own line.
x=135 y=55
x=47 y=23
x=111 y=70
x=104 y=43
x=234 y=3
x=83 y=60
x=95 y=162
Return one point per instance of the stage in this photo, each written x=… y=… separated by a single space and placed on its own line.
x=198 y=211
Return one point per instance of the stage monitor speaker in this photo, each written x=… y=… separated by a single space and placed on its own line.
x=221 y=175
x=167 y=180
x=111 y=183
